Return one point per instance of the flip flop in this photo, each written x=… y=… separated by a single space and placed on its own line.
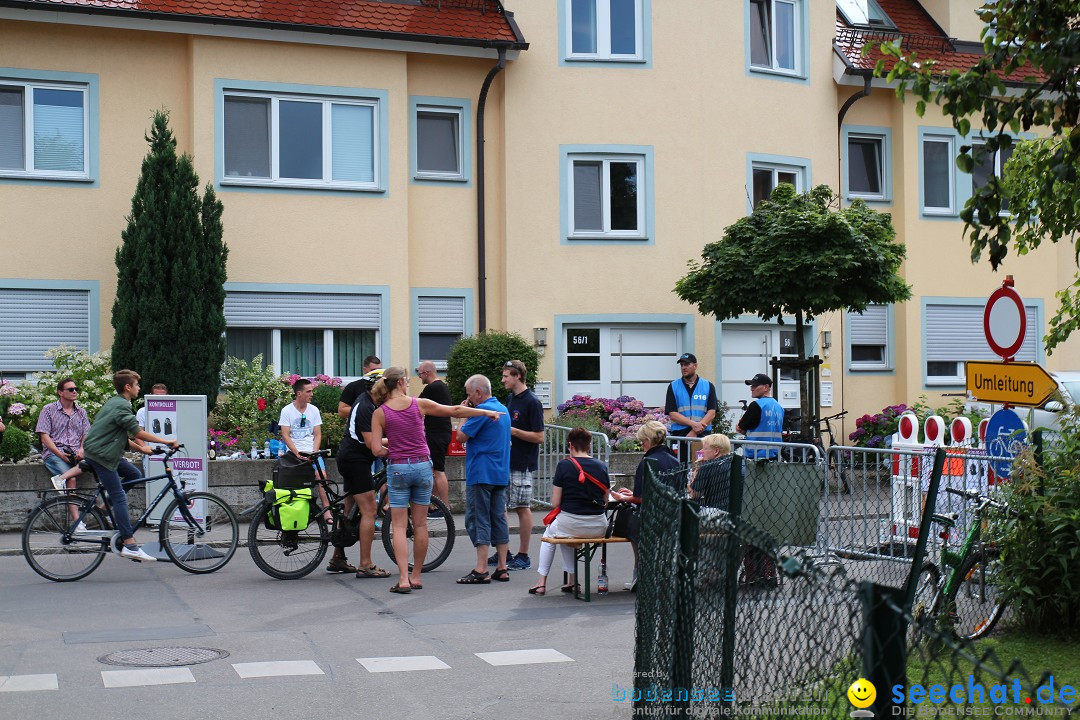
x=538 y=590
x=569 y=588
x=396 y=588
x=475 y=578
x=417 y=586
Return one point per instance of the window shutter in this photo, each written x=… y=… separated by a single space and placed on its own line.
x=302 y=310
x=870 y=328
x=955 y=333
x=32 y=321
x=352 y=136
x=441 y=315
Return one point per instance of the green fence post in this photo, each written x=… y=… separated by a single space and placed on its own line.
x=731 y=582
x=883 y=642
x=924 y=528
x=682 y=671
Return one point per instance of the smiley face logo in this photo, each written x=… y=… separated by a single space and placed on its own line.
x=862 y=693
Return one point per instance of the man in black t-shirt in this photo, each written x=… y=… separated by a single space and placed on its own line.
x=437 y=430
x=353 y=390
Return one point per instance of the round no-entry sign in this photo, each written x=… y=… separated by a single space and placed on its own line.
x=1005 y=322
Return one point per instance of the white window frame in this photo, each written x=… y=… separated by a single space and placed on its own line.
x=457 y=112
x=327 y=181
x=776 y=168
x=998 y=167
x=881 y=147
x=28 y=171
x=605 y=196
x=886 y=331
x=796 y=40
x=603 y=33
x=950 y=181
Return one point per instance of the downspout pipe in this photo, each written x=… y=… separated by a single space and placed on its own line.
x=481 y=229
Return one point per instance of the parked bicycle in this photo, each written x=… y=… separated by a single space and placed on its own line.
x=292 y=554
x=67 y=535
x=965 y=600
x=823 y=426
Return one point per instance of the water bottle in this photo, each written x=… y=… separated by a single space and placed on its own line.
x=266 y=449
x=211 y=451
x=254 y=451
x=601 y=582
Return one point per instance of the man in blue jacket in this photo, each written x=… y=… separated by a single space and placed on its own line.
x=691 y=401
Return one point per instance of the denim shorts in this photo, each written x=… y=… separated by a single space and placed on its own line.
x=56 y=465
x=409 y=483
x=485 y=514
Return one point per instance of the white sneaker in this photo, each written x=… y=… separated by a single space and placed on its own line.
x=80 y=528
x=134 y=552
x=59 y=483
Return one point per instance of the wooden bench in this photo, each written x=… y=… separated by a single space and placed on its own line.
x=584 y=550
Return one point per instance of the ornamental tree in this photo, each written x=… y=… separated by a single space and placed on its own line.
x=1028 y=81
x=797 y=256
x=169 y=313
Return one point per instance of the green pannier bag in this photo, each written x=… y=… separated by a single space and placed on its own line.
x=289 y=510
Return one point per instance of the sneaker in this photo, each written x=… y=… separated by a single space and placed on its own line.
x=519 y=562
x=434 y=513
x=494 y=559
x=80 y=528
x=134 y=552
x=58 y=483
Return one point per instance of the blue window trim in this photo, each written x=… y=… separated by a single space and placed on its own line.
x=752 y=159
x=93 y=133
x=556 y=344
x=414 y=314
x=802 y=74
x=93 y=308
x=885 y=134
x=383 y=291
x=565 y=153
x=1040 y=319
x=890 y=346
x=645 y=62
x=382 y=96
x=464 y=107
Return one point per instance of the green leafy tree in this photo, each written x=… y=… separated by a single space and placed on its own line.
x=1026 y=82
x=168 y=316
x=797 y=256
x=485 y=354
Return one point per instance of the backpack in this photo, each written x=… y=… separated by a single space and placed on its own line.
x=289 y=510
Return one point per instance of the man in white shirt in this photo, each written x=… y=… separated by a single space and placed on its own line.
x=301 y=429
x=140 y=414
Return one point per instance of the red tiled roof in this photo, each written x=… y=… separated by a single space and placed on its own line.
x=470 y=22
x=920 y=37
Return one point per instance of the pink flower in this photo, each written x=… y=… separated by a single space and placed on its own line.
x=17 y=409
x=261 y=404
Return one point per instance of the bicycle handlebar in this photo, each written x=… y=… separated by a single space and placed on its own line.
x=972 y=495
x=167 y=452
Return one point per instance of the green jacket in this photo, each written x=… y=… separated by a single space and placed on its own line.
x=108 y=436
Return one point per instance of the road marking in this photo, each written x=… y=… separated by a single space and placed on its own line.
x=277 y=668
x=523 y=657
x=146 y=676
x=25 y=683
x=402 y=664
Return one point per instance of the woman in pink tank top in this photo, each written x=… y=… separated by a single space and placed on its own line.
x=400 y=419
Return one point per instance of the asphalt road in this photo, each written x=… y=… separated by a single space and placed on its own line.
x=53 y=634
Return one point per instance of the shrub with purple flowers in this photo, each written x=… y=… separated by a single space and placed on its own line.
x=619 y=418
x=872 y=430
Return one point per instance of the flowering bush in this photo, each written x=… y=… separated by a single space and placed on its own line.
x=617 y=418
x=872 y=430
x=21 y=404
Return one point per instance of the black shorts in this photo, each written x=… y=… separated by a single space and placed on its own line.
x=437 y=449
x=355 y=474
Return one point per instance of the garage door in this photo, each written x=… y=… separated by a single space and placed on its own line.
x=614 y=360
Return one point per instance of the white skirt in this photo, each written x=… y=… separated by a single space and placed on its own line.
x=569 y=525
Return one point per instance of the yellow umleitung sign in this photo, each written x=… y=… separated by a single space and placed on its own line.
x=1015 y=383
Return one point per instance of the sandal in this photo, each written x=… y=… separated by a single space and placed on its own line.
x=372 y=572
x=340 y=565
x=416 y=586
x=570 y=588
x=501 y=575
x=475 y=578
x=538 y=590
x=396 y=588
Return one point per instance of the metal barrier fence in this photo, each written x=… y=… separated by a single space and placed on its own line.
x=732 y=620
x=555 y=448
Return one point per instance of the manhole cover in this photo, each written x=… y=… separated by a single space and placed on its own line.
x=163 y=656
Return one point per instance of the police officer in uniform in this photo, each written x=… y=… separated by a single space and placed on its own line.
x=763 y=419
x=691 y=401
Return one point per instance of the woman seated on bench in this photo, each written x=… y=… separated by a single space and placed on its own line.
x=580 y=489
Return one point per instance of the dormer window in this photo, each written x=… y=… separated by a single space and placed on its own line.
x=865 y=14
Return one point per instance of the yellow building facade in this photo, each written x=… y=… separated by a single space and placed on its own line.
x=620 y=137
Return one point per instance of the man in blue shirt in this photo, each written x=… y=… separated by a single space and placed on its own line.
x=691 y=401
x=487 y=472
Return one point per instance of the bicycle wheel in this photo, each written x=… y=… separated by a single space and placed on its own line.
x=922 y=607
x=440 y=535
x=286 y=554
x=977 y=603
x=43 y=542
x=208 y=541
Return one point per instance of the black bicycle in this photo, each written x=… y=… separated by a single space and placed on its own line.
x=67 y=535
x=292 y=554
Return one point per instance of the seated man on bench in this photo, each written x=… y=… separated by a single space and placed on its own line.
x=581 y=489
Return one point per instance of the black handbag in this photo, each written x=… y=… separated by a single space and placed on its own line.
x=624 y=522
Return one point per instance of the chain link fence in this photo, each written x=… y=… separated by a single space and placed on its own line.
x=740 y=612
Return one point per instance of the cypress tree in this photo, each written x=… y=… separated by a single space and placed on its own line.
x=169 y=314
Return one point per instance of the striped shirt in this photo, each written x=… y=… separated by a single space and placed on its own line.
x=66 y=431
